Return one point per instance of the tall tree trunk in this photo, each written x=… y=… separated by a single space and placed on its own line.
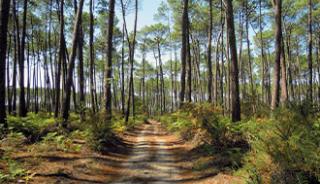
x=278 y=34
x=67 y=91
x=108 y=73
x=241 y=63
x=221 y=70
x=143 y=76
x=80 y=67
x=235 y=104
x=122 y=72
x=263 y=72
x=163 y=102
x=250 y=61
x=284 y=89
x=318 y=62
x=175 y=77
x=5 y=6
x=62 y=57
x=131 y=58
x=16 y=55
x=8 y=76
x=310 y=89
x=209 y=53
x=22 y=100
x=184 y=50
x=189 y=61
x=91 y=52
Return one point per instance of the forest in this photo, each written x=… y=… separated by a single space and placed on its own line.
x=160 y=91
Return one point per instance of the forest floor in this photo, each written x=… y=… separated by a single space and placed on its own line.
x=148 y=155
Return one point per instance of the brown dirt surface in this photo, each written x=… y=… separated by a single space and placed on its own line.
x=148 y=155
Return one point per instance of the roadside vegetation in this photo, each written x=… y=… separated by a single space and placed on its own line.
x=283 y=148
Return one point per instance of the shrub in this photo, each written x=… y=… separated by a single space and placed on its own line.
x=100 y=131
x=34 y=126
x=254 y=177
x=58 y=142
x=292 y=141
x=14 y=170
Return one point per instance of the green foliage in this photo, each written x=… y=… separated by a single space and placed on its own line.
x=101 y=131
x=254 y=177
x=54 y=141
x=12 y=141
x=190 y=117
x=178 y=122
x=284 y=149
x=14 y=170
x=31 y=126
x=292 y=143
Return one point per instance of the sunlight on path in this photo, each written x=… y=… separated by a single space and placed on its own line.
x=150 y=160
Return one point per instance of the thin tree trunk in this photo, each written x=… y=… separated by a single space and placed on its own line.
x=263 y=82
x=8 y=75
x=162 y=81
x=209 y=53
x=184 y=50
x=318 y=62
x=189 y=61
x=235 y=104
x=122 y=72
x=310 y=89
x=108 y=73
x=22 y=100
x=16 y=55
x=131 y=58
x=284 y=90
x=250 y=61
x=80 y=67
x=4 y=10
x=61 y=60
x=91 y=52
x=67 y=92
x=278 y=34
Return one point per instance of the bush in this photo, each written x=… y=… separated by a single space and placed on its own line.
x=103 y=135
x=179 y=122
x=13 y=171
x=101 y=131
x=254 y=177
x=293 y=141
x=34 y=126
x=54 y=141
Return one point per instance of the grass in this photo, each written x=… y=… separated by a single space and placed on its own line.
x=284 y=148
x=39 y=133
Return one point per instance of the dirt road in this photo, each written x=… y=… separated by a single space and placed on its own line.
x=153 y=158
x=146 y=155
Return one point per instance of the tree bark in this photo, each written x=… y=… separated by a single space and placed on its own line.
x=91 y=53
x=284 y=89
x=5 y=6
x=184 y=50
x=235 y=104
x=278 y=35
x=122 y=73
x=22 y=100
x=209 y=53
x=310 y=88
x=108 y=73
x=62 y=58
x=67 y=91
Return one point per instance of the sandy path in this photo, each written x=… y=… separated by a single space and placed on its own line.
x=147 y=155
x=151 y=160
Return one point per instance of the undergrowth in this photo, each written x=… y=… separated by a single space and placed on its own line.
x=283 y=148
